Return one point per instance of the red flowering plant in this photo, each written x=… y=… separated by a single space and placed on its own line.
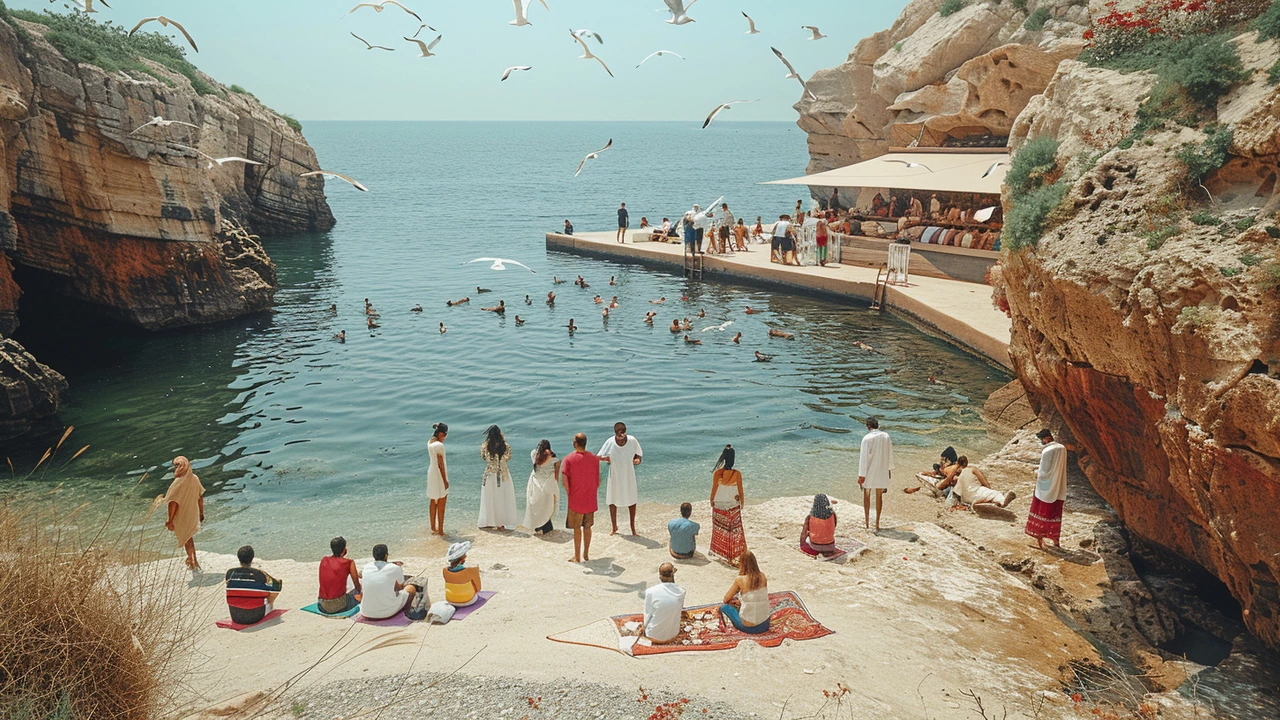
x=1125 y=31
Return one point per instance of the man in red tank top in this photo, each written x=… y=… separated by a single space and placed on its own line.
x=581 y=474
x=334 y=572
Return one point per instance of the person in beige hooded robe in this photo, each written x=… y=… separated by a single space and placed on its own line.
x=185 y=503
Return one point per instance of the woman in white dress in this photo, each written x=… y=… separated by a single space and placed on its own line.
x=437 y=477
x=542 y=495
x=497 y=493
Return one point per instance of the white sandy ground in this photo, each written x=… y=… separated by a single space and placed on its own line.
x=919 y=618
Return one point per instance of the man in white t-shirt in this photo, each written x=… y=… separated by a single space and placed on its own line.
x=781 y=236
x=663 y=604
x=385 y=592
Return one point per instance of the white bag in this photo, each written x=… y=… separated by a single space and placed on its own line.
x=440 y=613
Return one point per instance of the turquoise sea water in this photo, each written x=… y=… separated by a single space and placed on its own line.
x=299 y=438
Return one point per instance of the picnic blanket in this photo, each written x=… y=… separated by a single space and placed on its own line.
x=702 y=629
x=315 y=608
x=397 y=620
x=229 y=624
x=846 y=549
x=482 y=597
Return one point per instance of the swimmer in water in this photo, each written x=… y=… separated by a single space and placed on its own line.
x=684 y=298
x=690 y=341
x=736 y=338
x=659 y=301
x=761 y=357
x=443 y=329
x=648 y=317
x=675 y=326
x=341 y=337
x=612 y=281
x=551 y=298
x=864 y=346
x=597 y=300
x=605 y=313
x=480 y=290
x=451 y=303
x=686 y=324
x=528 y=300
x=702 y=313
x=368 y=310
x=416 y=308
x=774 y=332
x=749 y=311
x=373 y=324
x=500 y=308
x=613 y=304
x=557 y=281
x=572 y=327
x=519 y=321
x=333 y=308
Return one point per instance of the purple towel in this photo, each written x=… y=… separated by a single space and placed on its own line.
x=397 y=620
x=482 y=597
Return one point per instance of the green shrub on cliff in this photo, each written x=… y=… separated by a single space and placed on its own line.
x=1024 y=224
x=1268 y=23
x=1029 y=166
x=1035 y=22
x=950 y=7
x=1205 y=157
x=292 y=122
x=109 y=46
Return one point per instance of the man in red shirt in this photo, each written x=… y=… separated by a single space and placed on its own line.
x=581 y=474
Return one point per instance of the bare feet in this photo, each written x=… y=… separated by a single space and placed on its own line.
x=910 y=490
x=574 y=560
x=615 y=530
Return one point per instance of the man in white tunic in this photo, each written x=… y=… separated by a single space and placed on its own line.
x=1044 y=520
x=875 y=465
x=623 y=453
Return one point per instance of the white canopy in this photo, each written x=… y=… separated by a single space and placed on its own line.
x=939 y=170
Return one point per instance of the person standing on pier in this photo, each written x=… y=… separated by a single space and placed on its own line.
x=1044 y=520
x=624 y=221
x=875 y=467
x=726 y=228
x=623 y=454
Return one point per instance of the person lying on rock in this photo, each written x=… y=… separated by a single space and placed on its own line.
x=974 y=489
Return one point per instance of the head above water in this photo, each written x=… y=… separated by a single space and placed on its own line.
x=338 y=546
x=667 y=572
x=873 y=423
x=726 y=458
x=245 y=555
x=380 y=552
x=686 y=510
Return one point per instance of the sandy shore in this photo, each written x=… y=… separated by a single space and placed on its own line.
x=921 y=617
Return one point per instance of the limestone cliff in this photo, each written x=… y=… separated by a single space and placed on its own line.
x=136 y=225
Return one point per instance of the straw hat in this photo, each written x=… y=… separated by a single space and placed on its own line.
x=458 y=550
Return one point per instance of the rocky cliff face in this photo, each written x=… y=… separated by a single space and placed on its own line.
x=931 y=79
x=135 y=224
x=1160 y=349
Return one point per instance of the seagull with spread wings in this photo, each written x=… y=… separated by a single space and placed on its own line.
x=515 y=68
x=679 y=12
x=659 y=53
x=593 y=156
x=424 y=47
x=165 y=22
x=369 y=46
x=218 y=161
x=86 y=6
x=752 y=24
x=910 y=165
x=380 y=6
x=993 y=167
x=340 y=176
x=423 y=26
x=588 y=54
x=501 y=263
x=817 y=34
x=585 y=33
x=719 y=108
x=791 y=73
x=160 y=122
x=522 y=12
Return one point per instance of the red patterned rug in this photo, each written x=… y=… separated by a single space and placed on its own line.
x=703 y=628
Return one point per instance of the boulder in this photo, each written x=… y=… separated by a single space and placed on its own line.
x=30 y=393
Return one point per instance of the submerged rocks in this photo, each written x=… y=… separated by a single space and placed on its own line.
x=30 y=393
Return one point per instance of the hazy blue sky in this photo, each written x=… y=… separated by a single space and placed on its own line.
x=297 y=55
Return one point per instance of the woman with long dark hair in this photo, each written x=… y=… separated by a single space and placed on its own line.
x=819 y=531
x=542 y=495
x=497 y=493
x=727 y=539
x=437 y=477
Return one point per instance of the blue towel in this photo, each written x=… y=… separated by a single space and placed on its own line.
x=315 y=608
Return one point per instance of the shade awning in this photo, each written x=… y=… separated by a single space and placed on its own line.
x=918 y=170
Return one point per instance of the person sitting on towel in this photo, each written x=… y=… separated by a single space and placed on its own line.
x=385 y=591
x=250 y=591
x=663 y=604
x=461 y=583
x=819 y=531
x=746 y=605
x=684 y=534
x=335 y=570
x=974 y=489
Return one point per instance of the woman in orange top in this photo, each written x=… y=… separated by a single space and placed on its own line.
x=819 y=531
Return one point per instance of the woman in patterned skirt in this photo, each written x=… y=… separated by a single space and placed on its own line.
x=727 y=539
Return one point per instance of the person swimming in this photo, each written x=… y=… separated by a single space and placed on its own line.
x=702 y=313
x=761 y=357
x=612 y=281
x=775 y=332
x=659 y=301
x=736 y=338
x=416 y=308
x=597 y=300
x=368 y=310
x=519 y=321
x=690 y=341
x=451 y=303
x=480 y=290
x=605 y=313
x=675 y=326
x=749 y=311
x=572 y=327
x=341 y=337
x=333 y=308
x=613 y=304
x=551 y=298
x=557 y=281
x=443 y=329
x=372 y=324
x=864 y=346
x=528 y=300
x=648 y=318
x=686 y=324
x=500 y=308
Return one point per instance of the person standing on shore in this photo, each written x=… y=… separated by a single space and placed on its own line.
x=875 y=467
x=185 y=503
x=497 y=493
x=624 y=220
x=542 y=494
x=581 y=475
x=1044 y=520
x=437 y=477
x=623 y=454
x=727 y=539
x=726 y=228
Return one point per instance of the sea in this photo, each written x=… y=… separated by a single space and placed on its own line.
x=298 y=437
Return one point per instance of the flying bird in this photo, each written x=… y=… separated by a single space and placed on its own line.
x=522 y=12
x=911 y=165
x=225 y=160
x=593 y=156
x=158 y=121
x=791 y=73
x=659 y=53
x=426 y=49
x=165 y=22
x=423 y=25
x=679 y=12
x=372 y=47
x=719 y=108
x=380 y=6
x=86 y=6
x=752 y=23
x=817 y=34
x=501 y=263
x=584 y=34
x=340 y=176
x=993 y=167
x=984 y=214
x=514 y=68
x=588 y=55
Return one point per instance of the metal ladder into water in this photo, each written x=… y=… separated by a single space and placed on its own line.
x=692 y=264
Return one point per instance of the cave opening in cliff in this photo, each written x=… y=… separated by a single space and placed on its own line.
x=1210 y=616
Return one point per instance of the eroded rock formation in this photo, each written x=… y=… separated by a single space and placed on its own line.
x=29 y=393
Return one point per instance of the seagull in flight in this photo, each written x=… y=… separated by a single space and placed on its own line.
x=584 y=34
x=752 y=23
x=593 y=156
x=984 y=214
x=993 y=167
x=791 y=73
x=719 y=108
x=380 y=6
x=219 y=161
x=372 y=47
x=420 y=28
x=426 y=49
x=340 y=176
x=587 y=50
x=515 y=68
x=911 y=165
x=522 y=12
x=87 y=5
x=679 y=12
x=817 y=34
x=501 y=263
x=158 y=121
x=165 y=22
x=659 y=53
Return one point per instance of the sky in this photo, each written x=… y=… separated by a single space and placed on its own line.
x=298 y=57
